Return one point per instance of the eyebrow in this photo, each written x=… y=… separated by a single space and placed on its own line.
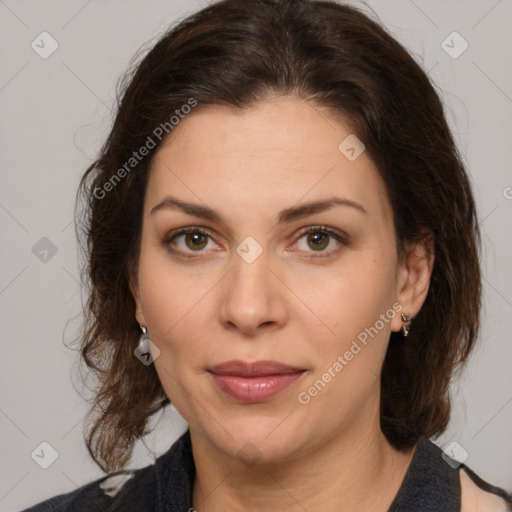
x=286 y=215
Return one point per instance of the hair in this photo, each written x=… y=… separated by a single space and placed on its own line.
x=236 y=53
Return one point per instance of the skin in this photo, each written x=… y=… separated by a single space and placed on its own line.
x=474 y=499
x=286 y=306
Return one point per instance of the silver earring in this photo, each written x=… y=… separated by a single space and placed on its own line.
x=406 y=319
x=143 y=340
x=146 y=352
x=143 y=351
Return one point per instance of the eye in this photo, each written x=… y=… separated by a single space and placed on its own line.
x=318 y=238
x=188 y=240
x=195 y=239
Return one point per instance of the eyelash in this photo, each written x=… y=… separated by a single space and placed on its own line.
x=343 y=240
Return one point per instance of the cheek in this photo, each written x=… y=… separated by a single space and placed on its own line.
x=349 y=357
x=166 y=289
x=354 y=295
x=357 y=306
x=179 y=308
x=173 y=310
x=169 y=298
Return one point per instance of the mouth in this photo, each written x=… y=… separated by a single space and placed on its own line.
x=254 y=382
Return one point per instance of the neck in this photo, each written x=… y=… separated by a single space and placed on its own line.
x=355 y=470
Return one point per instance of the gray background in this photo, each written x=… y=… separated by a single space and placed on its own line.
x=56 y=112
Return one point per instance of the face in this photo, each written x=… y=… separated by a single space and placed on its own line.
x=259 y=276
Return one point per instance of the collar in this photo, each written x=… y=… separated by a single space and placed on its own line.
x=430 y=482
x=175 y=475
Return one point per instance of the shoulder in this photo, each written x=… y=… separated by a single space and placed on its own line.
x=479 y=496
x=168 y=478
x=120 y=491
x=435 y=481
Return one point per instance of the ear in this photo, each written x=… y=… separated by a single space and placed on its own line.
x=413 y=278
x=135 y=289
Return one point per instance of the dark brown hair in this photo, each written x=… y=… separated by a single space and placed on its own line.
x=236 y=53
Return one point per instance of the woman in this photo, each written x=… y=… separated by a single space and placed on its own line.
x=282 y=242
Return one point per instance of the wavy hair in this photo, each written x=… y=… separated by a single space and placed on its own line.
x=236 y=53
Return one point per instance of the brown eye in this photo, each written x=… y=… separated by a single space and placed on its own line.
x=318 y=240
x=321 y=240
x=196 y=241
x=187 y=241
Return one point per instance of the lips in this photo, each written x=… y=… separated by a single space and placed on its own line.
x=257 y=368
x=254 y=382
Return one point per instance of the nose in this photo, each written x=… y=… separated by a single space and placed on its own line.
x=254 y=298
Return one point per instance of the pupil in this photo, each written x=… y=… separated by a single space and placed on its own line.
x=196 y=240
x=318 y=237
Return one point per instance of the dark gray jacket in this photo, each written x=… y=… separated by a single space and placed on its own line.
x=431 y=485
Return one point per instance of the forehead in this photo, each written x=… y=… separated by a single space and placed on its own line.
x=279 y=152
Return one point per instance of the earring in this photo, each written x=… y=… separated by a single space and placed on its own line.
x=146 y=351
x=406 y=319
x=143 y=340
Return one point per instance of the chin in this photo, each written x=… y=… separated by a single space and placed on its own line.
x=262 y=440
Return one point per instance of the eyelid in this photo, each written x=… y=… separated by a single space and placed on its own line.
x=341 y=237
x=187 y=229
